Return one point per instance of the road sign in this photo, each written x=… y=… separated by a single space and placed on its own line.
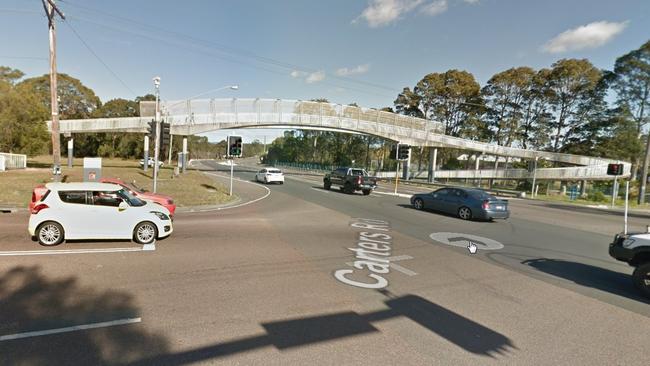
x=614 y=169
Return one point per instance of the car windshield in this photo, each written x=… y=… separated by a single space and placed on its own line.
x=130 y=199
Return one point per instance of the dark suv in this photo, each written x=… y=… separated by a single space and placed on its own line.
x=350 y=180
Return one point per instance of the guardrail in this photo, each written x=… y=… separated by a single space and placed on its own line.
x=12 y=161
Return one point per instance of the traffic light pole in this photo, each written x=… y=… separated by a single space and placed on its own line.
x=397 y=176
x=157 y=142
x=232 y=163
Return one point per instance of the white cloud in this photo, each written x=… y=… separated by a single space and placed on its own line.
x=434 y=8
x=315 y=77
x=472 y=1
x=591 y=35
x=297 y=74
x=383 y=12
x=361 y=69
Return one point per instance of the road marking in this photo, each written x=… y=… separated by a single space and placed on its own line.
x=147 y=247
x=268 y=192
x=396 y=266
x=393 y=194
x=322 y=190
x=75 y=328
x=463 y=240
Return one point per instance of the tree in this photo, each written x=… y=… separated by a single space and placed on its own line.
x=75 y=99
x=21 y=117
x=451 y=98
x=631 y=80
x=505 y=96
x=573 y=87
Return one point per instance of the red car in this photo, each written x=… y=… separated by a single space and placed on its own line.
x=160 y=199
x=37 y=194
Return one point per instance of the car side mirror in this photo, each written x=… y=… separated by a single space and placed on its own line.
x=123 y=206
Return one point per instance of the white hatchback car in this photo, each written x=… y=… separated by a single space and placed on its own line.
x=269 y=175
x=96 y=211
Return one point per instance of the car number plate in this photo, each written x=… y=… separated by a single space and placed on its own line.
x=499 y=207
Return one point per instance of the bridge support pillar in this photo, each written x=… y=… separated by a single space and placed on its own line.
x=433 y=157
x=583 y=188
x=406 y=164
x=70 y=151
x=145 y=166
x=184 y=153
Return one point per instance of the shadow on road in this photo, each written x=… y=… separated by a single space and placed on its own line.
x=287 y=334
x=31 y=301
x=590 y=276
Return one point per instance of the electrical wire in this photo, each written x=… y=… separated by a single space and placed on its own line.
x=99 y=58
x=228 y=49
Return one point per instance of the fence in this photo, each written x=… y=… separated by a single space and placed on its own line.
x=12 y=161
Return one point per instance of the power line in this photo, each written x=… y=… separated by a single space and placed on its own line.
x=231 y=50
x=99 y=58
x=200 y=49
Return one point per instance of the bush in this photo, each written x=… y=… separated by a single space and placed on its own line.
x=597 y=196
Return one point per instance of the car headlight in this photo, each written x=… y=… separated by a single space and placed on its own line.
x=628 y=243
x=160 y=215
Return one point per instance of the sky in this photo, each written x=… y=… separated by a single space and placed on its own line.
x=362 y=51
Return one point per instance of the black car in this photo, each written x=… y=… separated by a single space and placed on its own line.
x=466 y=203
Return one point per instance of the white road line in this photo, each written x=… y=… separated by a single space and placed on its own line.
x=70 y=329
x=393 y=194
x=75 y=251
x=406 y=271
x=268 y=192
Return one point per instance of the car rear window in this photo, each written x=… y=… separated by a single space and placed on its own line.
x=482 y=195
x=73 y=197
x=357 y=172
x=274 y=171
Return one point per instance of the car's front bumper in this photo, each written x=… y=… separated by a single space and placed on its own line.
x=618 y=252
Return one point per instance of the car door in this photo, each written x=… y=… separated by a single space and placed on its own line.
x=112 y=222
x=436 y=200
x=260 y=175
x=75 y=214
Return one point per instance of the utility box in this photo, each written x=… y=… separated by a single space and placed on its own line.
x=92 y=169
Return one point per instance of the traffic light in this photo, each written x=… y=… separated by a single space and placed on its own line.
x=165 y=136
x=614 y=169
x=393 y=152
x=403 y=151
x=151 y=130
x=235 y=146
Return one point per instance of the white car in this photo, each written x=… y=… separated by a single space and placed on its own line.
x=269 y=175
x=151 y=162
x=96 y=211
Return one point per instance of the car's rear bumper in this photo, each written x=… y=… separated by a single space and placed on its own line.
x=495 y=215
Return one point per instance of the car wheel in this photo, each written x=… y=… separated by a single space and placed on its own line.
x=366 y=192
x=145 y=233
x=348 y=188
x=465 y=213
x=641 y=278
x=327 y=185
x=418 y=204
x=50 y=233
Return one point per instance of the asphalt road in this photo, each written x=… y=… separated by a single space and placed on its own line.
x=257 y=284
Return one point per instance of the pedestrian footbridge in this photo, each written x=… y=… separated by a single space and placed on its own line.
x=196 y=116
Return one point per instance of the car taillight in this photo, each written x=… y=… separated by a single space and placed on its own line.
x=486 y=205
x=170 y=202
x=358 y=180
x=39 y=207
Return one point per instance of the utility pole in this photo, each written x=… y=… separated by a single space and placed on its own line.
x=50 y=9
x=156 y=83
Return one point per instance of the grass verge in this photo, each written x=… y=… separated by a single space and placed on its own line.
x=190 y=189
